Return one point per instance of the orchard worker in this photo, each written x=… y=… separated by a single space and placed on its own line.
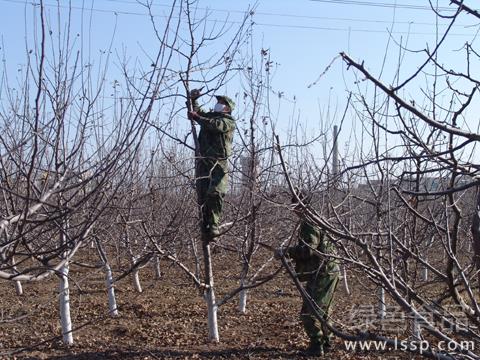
x=320 y=272
x=215 y=142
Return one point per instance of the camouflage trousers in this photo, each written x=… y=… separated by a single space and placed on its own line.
x=212 y=182
x=321 y=288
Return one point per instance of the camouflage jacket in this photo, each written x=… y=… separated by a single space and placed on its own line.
x=216 y=133
x=308 y=263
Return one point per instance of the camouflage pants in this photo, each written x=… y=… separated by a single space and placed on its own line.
x=212 y=181
x=320 y=287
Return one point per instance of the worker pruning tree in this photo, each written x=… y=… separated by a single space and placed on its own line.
x=417 y=176
x=213 y=144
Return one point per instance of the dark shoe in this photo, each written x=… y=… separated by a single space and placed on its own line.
x=327 y=347
x=326 y=341
x=314 y=349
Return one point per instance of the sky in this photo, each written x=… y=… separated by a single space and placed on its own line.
x=303 y=37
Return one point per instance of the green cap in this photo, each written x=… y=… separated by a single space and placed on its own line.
x=226 y=99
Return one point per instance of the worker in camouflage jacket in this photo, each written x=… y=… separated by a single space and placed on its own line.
x=321 y=274
x=215 y=146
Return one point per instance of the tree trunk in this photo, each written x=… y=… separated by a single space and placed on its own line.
x=136 y=280
x=18 y=284
x=112 y=302
x=212 y=317
x=425 y=273
x=382 y=309
x=210 y=294
x=65 y=319
x=476 y=233
x=18 y=288
x=156 y=267
x=416 y=330
x=242 y=304
x=345 y=280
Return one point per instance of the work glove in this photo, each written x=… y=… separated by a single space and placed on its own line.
x=192 y=115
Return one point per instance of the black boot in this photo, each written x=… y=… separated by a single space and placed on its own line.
x=314 y=349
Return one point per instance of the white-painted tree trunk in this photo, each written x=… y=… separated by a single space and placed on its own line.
x=345 y=280
x=18 y=284
x=112 y=302
x=416 y=330
x=242 y=304
x=65 y=319
x=136 y=280
x=382 y=308
x=212 y=316
x=156 y=267
x=210 y=294
x=18 y=288
x=425 y=273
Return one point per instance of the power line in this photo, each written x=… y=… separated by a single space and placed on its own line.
x=384 y=5
x=232 y=22
x=243 y=12
x=353 y=30
x=295 y=16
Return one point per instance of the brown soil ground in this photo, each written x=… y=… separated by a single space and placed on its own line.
x=167 y=320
